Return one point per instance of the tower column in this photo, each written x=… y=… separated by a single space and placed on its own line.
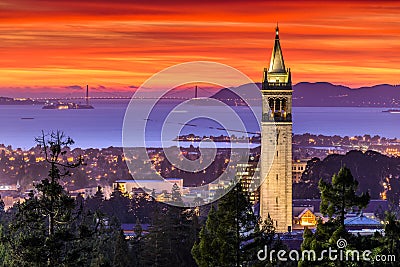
x=276 y=189
x=274 y=105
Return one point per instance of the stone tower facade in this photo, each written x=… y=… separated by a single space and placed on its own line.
x=276 y=190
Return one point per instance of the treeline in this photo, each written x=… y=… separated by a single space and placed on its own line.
x=50 y=228
x=87 y=232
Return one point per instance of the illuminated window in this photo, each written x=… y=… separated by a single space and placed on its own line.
x=308 y=219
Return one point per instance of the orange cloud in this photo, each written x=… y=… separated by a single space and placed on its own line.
x=120 y=43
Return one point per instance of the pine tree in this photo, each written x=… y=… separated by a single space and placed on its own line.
x=232 y=234
x=157 y=249
x=136 y=243
x=41 y=232
x=319 y=241
x=117 y=205
x=109 y=245
x=182 y=223
x=170 y=238
x=391 y=239
x=5 y=249
x=339 y=197
x=121 y=252
x=50 y=228
x=205 y=251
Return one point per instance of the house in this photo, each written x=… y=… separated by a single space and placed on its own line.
x=304 y=217
x=363 y=225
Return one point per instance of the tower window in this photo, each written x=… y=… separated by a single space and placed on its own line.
x=284 y=104
x=278 y=104
x=276 y=176
x=271 y=103
x=276 y=200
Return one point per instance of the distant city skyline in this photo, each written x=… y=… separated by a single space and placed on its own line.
x=47 y=45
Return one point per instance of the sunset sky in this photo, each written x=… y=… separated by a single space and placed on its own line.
x=47 y=44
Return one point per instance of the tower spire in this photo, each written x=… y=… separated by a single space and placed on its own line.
x=277 y=64
x=277 y=31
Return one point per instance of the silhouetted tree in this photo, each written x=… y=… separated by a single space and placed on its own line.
x=50 y=228
x=339 y=197
x=170 y=238
x=232 y=234
x=41 y=232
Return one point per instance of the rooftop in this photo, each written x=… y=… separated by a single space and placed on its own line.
x=361 y=220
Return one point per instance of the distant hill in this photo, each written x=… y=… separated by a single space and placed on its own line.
x=305 y=94
x=229 y=97
x=323 y=94
x=371 y=169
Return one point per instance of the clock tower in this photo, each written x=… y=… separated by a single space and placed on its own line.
x=276 y=189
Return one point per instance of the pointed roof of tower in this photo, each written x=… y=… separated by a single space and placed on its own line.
x=277 y=65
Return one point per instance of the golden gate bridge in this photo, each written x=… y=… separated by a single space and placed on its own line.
x=169 y=95
x=115 y=96
x=177 y=94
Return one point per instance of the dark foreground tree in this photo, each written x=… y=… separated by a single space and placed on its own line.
x=41 y=233
x=171 y=236
x=232 y=234
x=340 y=196
x=50 y=228
x=389 y=243
x=337 y=199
